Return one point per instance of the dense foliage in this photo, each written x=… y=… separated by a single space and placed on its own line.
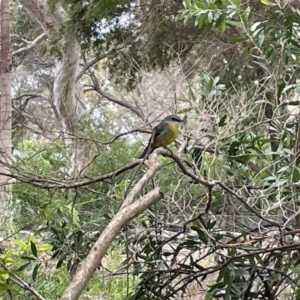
x=227 y=226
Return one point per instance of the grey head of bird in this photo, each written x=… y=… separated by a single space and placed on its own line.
x=173 y=119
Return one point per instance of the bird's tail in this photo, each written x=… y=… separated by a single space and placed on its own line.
x=149 y=149
x=146 y=151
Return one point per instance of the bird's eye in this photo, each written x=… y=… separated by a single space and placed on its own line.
x=176 y=119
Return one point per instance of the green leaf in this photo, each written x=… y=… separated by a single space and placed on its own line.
x=183 y=100
x=4 y=286
x=209 y=296
x=201 y=20
x=223 y=27
x=231 y=252
x=298 y=294
x=234 y=147
x=208 y=82
x=210 y=17
x=35 y=271
x=244 y=19
x=222 y=121
x=33 y=249
x=295 y=175
x=239 y=39
x=8 y=261
x=27 y=257
x=210 y=224
x=280 y=88
x=288 y=87
x=292 y=103
x=255 y=26
x=44 y=247
x=185 y=110
x=202 y=236
x=296 y=270
x=4 y=274
x=252 y=262
x=267 y=2
x=262 y=65
x=191 y=94
x=197 y=157
x=234 y=23
x=23 y=267
x=21 y=244
x=283 y=169
x=60 y=262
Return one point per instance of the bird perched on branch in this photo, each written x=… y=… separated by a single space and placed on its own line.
x=163 y=134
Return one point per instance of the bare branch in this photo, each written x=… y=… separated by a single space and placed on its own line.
x=153 y=168
x=94 y=61
x=181 y=165
x=244 y=201
x=111 y=98
x=22 y=284
x=39 y=10
x=210 y=184
x=32 y=45
x=30 y=96
x=46 y=183
x=93 y=260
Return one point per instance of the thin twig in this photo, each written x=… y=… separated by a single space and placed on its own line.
x=22 y=284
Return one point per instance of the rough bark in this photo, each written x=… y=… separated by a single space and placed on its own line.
x=128 y=211
x=65 y=97
x=5 y=111
x=64 y=90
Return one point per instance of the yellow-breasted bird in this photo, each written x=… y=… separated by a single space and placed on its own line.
x=163 y=134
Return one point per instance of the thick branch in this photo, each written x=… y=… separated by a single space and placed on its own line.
x=64 y=89
x=153 y=168
x=93 y=260
x=38 y=9
x=126 y=213
x=32 y=45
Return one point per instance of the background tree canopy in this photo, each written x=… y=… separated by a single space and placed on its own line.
x=215 y=217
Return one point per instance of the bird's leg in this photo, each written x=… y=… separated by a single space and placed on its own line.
x=167 y=148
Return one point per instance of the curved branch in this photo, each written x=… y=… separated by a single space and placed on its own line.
x=94 y=61
x=210 y=184
x=45 y=183
x=38 y=9
x=125 y=214
x=111 y=98
x=193 y=275
x=64 y=89
x=119 y=102
x=31 y=45
x=23 y=285
x=26 y=95
x=181 y=165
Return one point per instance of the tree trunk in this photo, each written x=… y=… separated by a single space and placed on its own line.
x=5 y=113
x=65 y=89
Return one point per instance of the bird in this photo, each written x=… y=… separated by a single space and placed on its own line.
x=163 y=134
